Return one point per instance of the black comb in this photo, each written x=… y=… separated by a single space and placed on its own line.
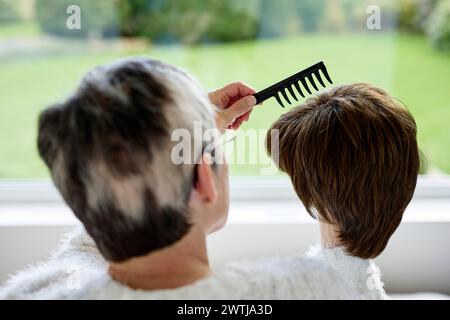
x=293 y=81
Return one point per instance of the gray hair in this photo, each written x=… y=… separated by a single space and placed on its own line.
x=108 y=148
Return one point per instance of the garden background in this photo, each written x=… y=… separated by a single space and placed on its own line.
x=256 y=41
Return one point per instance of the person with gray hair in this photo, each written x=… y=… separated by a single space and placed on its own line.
x=109 y=148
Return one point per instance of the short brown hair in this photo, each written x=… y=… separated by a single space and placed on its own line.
x=352 y=157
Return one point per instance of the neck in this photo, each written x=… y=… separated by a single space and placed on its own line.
x=182 y=263
x=329 y=235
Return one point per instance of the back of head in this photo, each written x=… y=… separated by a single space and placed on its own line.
x=108 y=148
x=352 y=156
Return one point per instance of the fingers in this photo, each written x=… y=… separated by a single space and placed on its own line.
x=239 y=108
x=243 y=118
x=246 y=116
x=219 y=99
x=237 y=100
x=226 y=96
x=238 y=88
x=237 y=123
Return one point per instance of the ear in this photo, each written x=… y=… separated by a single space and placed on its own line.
x=48 y=134
x=205 y=186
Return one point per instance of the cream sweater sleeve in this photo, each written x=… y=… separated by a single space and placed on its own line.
x=75 y=262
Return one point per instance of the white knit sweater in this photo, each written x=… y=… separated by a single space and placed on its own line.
x=77 y=271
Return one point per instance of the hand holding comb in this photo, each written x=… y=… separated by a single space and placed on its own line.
x=293 y=81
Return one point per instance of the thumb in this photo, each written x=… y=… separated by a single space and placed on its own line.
x=239 y=108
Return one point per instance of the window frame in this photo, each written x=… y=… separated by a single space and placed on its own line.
x=242 y=188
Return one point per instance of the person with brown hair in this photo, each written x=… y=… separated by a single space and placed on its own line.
x=352 y=156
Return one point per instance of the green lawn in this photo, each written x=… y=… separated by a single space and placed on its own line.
x=26 y=29
x=402 y=64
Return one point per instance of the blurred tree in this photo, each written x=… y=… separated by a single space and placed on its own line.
x=334 y=17
x=97 y=17
x=413 y=14
x=310 y=12
x=274 y=17
x=408 y=14
x=438 y=29
x=187 y=21
x=8 y=11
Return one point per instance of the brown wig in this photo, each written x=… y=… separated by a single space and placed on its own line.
x=352 y=157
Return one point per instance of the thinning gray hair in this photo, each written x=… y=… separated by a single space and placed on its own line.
x=108 y=148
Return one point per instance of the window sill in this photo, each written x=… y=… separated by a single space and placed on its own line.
x=253 y=200
x=241 y=212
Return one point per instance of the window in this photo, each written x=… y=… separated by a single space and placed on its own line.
x=402 y=46
x=47 y=45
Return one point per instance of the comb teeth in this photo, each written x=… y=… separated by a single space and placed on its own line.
x=285 y=96
x=311 y=80
x=313 y=74
x=277 y=97
x=289 y=87
x=317 y=74
x=305 y=85
x=296 y=85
